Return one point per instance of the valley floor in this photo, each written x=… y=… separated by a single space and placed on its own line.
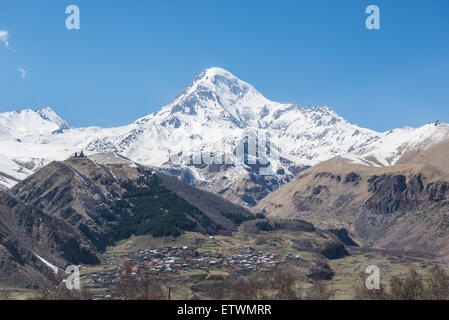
x=200 y=280
x=196 y=266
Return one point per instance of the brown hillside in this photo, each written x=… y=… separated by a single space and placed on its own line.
x=404 y=206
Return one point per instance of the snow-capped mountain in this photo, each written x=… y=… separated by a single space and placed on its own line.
x=395 y=145
x=214 y=116
x=30 y=124
x=218 y=106
x=220 y=134
x=21 y=128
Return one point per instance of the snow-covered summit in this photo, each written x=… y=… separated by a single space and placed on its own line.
x=396 y=143
x=26 y=123
x=51 y=116
x=218 y=106
x=216 y=95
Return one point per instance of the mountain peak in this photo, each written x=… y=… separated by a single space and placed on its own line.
x=214 y=95
x=218 y=80
x=215 y=73
x=28 y=122
x=218 y=70
x=50 y=115
x=439 y=124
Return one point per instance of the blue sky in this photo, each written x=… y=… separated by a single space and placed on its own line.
x=132 y=57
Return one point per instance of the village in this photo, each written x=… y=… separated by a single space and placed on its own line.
x=172 y=260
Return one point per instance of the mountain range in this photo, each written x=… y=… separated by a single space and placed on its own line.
x=197 y=139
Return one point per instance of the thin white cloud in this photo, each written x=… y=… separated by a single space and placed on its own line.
x=4 y=37
x=23 y=72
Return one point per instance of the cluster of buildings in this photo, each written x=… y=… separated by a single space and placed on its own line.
x=174 y=259
x=171 y=260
